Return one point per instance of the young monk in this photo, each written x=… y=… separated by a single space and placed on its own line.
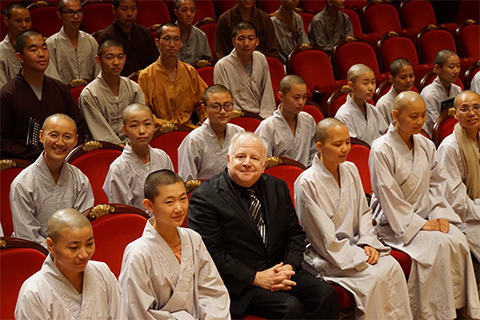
x=333 y=211
x=290 y=132
x=459 y=154
x=50 y=183
x=402 y=79
x=168 y=272
x=127 y=173
x=203 y=153
x=69 y=285
x=439 y=94
x=413 y=215
x=361 y=118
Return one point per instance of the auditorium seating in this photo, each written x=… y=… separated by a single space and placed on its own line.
x=443 y=127
x=419 y=14
x=468 y=38
x=209 y=29
x=470 y=73
x=370 y=38
x=247 y=120
x=205 y=9
x=430 y=76
x=206 y=73
x=277 y=72
x=286 y=169
x=307 y=19
x=359 y=153
x=152 y=13
x=96 y=17
x=44 y=19
x=311 y=6
x=168 y=137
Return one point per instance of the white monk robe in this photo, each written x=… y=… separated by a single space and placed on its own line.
x=366 y=128
x=384 y=105
x=408 y=190
x=475 y=84
x=103 y=110
x=456 y=192
x=200 y=156
x=253 y=93
x=125 y=178
x=49 y=295
x=34 y=197
x=338 y=223
x=434 y=94
x=156 y=286
x=70 y=63
x=281 y=142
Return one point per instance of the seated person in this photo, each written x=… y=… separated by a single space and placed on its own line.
x=104 y=99
x=461 y=160
x=50 y=183
x=203 y=152
x=69 y=285
x=330 y=26
x=29 y=98
x=72 y=51
x=249 y=225
x=244 y=10
x=127 y=173
x=246 y=74
x=440 y=93
x=475 y=84
x=167 y=273
x=402 y=79
x=290 y=131
x=361 y=118
x=288 y=28
x=414 y=216
x=137 y=41
x=195 y=43
x=172 y=88
x=344 y=249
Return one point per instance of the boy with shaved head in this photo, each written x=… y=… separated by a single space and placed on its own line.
x=127 y=173
x=49 y=183
x=344 y=249
x=69 y=285
x=414 y=216
x=363 y=121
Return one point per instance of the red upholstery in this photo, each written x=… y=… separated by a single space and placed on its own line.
x=277 y=72
x=403 y=259
x=76 y=93
x=206 y=73
x=17 y=264
x=95 y=164
x=470 y=73
x=307 y=19
x=205 y=9
x=3 y=29
x=169 y=142
x=151 y=12
x=468 y=10
x=3 y=5
x=224 y=5
x=311 y=6
x=209 y=29
x=288 y=170
x=269 y=6
x=443 y=127
x=430 y=76
x=419 y=13
x=253 y=318
x=112 y=234
x=314 y=111
x=45 y=20
x=370 y=38
x=247 y=123
x=383 y=88
x=468 y=36
x=359 y=154
x=357 y=5
x=431 y=41
x=336 y=100
x=97 y=16
x=345 y=298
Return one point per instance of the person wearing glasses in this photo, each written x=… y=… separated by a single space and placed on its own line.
x=460 y=156
x=203 y=153
x=290 y=132
x=72 y=52
x=172 y=88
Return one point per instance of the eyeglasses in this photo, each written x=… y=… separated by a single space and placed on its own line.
x=72 y=13
x=465 y=110
x=168 y=39
x=55 y=137
x=218 y=107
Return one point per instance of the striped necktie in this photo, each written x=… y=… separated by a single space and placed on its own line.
x=255 y=210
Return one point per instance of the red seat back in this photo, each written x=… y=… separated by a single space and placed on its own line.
x=417 y=14
x=277 y=72
x=288 y=173
x=356 y=24
x=307 y=63
x=169 y=142
x=381 y=18
x=269 y=6
x=359 y=154
x=432 y=41
x=315 y=112
x=247 y=123
x=205 y=9
x=469 y=40
x=7 y=177
x=346 y=54
x=97 y=16
x=311 y=6
x=307 y=19
x=112 y=234
x=45 y=20
x=393 y=47
x=76 y=93
x=206 y=73
x=443 y=127
x=209 y=29
x=152 y=12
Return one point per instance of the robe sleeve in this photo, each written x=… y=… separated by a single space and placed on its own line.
x=189 y=159
x=97 y=124
x=116 y=187
x=399 y=212
x=29 y=306
x=220 y=75
x=456 y=193
x=116 y=307
x=84 y=198
x=321 y=231
x=267 y=104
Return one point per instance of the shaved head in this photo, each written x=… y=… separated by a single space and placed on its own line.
x=321 y=130
x=356 y=70
x=65 y=219
x=404 y=99
x=288 y=81
x=459 y=98
x=48 y=121
x=133 y=108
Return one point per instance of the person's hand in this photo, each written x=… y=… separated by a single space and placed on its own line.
x=440 y=224
x=372 y=254
x=275 y=278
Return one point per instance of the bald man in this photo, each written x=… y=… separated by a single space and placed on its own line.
x=124 y=181
x=414 y=216
x=69 y=285
x=49 y=183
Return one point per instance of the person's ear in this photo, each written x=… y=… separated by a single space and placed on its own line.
x=455 y=114
x=148 y=205
x=395 y=114
x=50 y=245
x=98 y=59
x=124 y=130
x=280 y=95
x=390 y=78
x=319 y=146
x=19 y=57
x=41 y=136
x=436 y=69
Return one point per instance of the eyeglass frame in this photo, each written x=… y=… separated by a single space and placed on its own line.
x=477 y=111
x=72 y=13
x=170 y=39
x=220 y=107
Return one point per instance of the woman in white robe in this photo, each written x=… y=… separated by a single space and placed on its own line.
x=343 y=246
x=414 y=217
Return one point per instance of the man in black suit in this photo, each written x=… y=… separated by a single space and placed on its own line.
x=248 y=223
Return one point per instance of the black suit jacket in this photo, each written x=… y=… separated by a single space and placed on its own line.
x=220 y=215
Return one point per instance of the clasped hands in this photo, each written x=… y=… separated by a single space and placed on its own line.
x=440 y=224
x=275 y=278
